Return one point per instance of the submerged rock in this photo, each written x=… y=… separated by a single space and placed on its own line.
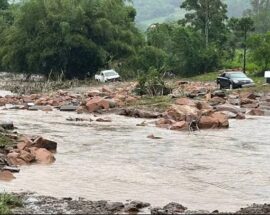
x=43 y=156
x=139 y=113
x=6 y=175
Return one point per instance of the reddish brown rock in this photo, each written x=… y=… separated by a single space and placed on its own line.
x=21 y=145
x=203 y=106
x=240 y=116
x=106 y=89
x=13 y=155
x=244 y=101
x=6 y=175
x=43 y=156
x=207 y=122
x=96 y=104
x=26 y=140
x=217 y=101
x=139 y=113
x=256 y=112
x=93 y=93
x=33 y=150
x=214 y=120
x=185 y=101
x=26 y=156
x=248 y=95
x=80 y=110
x=250 y=105
x=182 y=112
x=182 y=125
x=164 y=123
x=222 y=119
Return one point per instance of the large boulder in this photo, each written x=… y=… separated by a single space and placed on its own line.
x=182 y=112
x=229 y=108
x=97 y=103
x=43 y=156
x=40 y=142
x=214 y=120
x=6 y=175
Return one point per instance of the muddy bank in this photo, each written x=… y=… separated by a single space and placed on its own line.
x=34 y=204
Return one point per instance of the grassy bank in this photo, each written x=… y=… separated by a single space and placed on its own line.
x=212 y=76
x=7 y=202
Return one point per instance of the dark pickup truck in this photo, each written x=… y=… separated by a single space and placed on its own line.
x=233 y=80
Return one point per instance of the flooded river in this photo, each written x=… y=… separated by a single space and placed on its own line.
x=214 y=169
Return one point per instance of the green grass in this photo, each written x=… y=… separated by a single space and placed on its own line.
x=157 y=103
x=212 y=76
x=5 y=141
x=7 y=202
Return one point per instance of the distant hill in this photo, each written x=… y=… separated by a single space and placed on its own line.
x=152 y=11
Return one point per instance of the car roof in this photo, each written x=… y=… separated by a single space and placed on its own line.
x=106 y=71
x=234 y=72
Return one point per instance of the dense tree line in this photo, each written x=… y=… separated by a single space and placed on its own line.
x=76 y=38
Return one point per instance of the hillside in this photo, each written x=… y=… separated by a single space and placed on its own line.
x=149 y=11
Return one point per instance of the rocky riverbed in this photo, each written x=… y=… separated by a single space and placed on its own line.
x=34 y=204
x=138 y=149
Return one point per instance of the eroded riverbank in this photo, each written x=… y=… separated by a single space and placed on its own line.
x=211 y=169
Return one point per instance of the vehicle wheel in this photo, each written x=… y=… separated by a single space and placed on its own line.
x=219 y=86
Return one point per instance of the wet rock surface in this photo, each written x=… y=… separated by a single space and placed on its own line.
x=35 y=204
x=17 y=150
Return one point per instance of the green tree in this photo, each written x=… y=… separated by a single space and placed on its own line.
x=260 y=50
x=74 y=37
x=3 y=4
x=260 y=13
x=207 y=16
x=241 y=27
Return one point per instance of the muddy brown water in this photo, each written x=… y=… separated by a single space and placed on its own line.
x=213 y=169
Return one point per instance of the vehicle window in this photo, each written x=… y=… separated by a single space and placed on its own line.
x=111 y=73
x=237 y=75
x=227 y=75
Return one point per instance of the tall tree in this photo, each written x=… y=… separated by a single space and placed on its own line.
x=260 y=13
x=241 y=27
x=74 y=37
x=207 y=16
x=3 y=4
x=260 y=52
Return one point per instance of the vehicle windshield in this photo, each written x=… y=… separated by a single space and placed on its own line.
x=110 y=73
x=237 y=75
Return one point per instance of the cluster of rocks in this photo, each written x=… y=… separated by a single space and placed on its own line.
x=24 y=150
x=34 y=204
x=196 y=105
x=213 y=110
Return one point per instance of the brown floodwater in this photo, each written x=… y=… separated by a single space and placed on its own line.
x=211 y=169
